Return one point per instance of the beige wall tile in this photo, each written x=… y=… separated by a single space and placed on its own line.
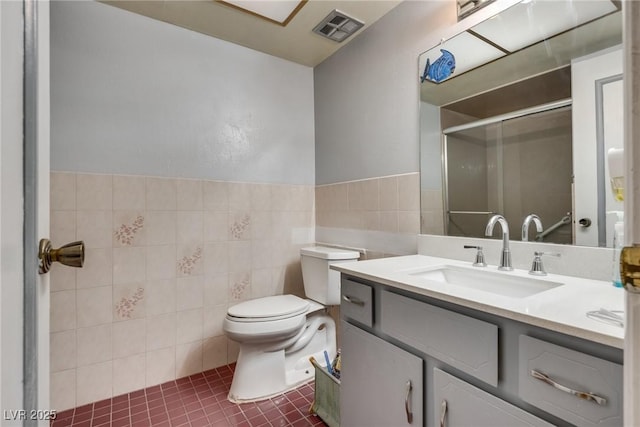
x=94 y=345
x=190 y=260
x=94 y=306
x=62 y=227
x=94 y=192
x=188 y=359
x=129 y=265
x=334 y=197
x=409 y=222
x=161 y=262
x=62 y=191
x=409 y=192
x=161 y=331
x=215 y=226
x=388 y=193
x=261 y=197
x=189 y=293
x=95 y=228
x=63 y=390
x=213 y=319
x=129 y=338
x=261 y=226
x=214 y=352
x=216 y=289
x=189 y=326
x=129 y=193
x=129 y=301
x=97 y=269
x=161 y=194
x=129 y=374
x=363 y=195
x=239 y=225
x=94 y=383
x=160 y=366
x=239 y=196
x=216 y=258
x=189 y=194
x=161 y=227
x=239 y=286
x=63 y=311
x=62 y=278
x=389 y=221
x=280 y=198
x=160 y=297
x=215 y=196
x=240 y=257
x=63 y=350
x=189 y=227
x=128 y=229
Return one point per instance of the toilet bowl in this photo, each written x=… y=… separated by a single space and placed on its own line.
x=278 y=334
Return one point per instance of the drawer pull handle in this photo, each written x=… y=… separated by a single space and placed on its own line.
x=353 y=300
x=580 y=394
x=407 y=406
x=443 y=412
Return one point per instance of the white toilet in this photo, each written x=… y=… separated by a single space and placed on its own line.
x=278 y=334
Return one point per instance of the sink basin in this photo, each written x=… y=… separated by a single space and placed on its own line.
x=487 y=281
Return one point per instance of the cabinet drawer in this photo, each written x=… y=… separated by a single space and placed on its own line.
x=457 y=403
x=579 y=388
x=463 y=342
x=357 y=302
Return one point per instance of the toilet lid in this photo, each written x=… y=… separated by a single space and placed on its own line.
x=269 y=307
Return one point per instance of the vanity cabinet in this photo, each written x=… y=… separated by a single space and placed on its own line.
x=384 y=386
x=460 y=404
x=413 y=360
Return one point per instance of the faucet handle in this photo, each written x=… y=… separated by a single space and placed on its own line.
x=537 y=268
x=479 y=262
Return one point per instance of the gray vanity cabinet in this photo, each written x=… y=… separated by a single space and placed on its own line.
x=412 y=360
x=459 y=404
x=383 y=383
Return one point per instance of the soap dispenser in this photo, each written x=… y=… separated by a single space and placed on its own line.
x=618 y=243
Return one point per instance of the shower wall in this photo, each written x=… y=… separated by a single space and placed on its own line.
x=186 y=164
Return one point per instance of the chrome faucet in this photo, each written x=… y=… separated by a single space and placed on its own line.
x=525 y=225
x=505 y=257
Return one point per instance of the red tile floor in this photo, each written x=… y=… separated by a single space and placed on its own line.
x=198 y=400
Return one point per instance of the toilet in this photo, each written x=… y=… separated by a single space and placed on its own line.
x=278 y=334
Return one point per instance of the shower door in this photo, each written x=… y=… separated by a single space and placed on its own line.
x=511 y=166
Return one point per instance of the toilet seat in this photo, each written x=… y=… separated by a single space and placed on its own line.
x=266 y=319
x=268 y=309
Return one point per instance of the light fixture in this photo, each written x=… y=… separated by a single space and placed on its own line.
x=522 y=25
x=338 y=26
x=279 y=12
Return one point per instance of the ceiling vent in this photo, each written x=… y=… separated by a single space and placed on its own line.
x=337 y=26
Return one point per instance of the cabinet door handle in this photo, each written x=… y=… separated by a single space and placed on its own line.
x=580 y=394
x=443 y=412
x=407 y=405
x=353 y=300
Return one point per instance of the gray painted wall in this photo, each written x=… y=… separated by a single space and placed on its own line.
x=366 y=96
x=131 y=95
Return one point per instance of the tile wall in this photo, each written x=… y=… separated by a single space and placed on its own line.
x=389 y=204
x=164 y=259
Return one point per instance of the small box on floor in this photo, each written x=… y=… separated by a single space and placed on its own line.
x=326 y=402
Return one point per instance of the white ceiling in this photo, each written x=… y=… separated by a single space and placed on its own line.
x=294 y=42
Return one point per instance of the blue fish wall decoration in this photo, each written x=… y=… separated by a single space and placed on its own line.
x=441 y=68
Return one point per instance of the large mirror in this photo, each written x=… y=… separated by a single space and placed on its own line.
x=520 y=115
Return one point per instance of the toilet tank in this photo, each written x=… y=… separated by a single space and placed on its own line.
x=322 y=284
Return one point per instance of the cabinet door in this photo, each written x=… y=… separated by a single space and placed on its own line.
x=381 y=384
x=459 y=404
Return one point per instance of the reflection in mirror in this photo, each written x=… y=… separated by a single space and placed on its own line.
x=524 y=125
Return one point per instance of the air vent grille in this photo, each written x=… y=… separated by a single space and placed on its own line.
x=338 y=26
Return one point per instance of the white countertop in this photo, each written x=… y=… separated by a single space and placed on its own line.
x=562 y=309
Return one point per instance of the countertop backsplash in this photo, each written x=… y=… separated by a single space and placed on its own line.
x=577 y=261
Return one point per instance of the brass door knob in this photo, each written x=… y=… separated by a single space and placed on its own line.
x=71 y=254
